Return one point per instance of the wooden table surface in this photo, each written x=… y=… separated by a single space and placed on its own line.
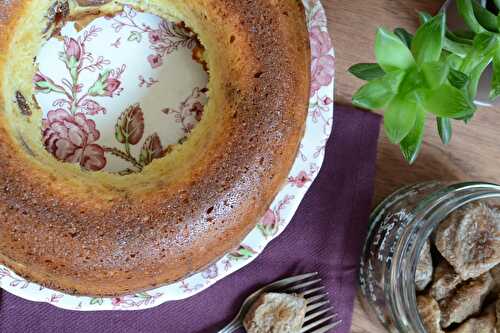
x=474 y=151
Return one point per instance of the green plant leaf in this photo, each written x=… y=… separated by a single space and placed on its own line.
x=462 y=39
x=465 y=34
x=475 y=76
x=447 y=102
x=457 y=78
x=495 y=81
x=444 y=129
x=413 y=79
x=411 y=144
x=484 y=17
x=399 y=118
x=497 y=3
x=376 y=94
x=456 y=48
x=367 y=72
x=450 y=35
x=391 y=53
x=435 y=73
x=466 y=10
x=484 y=47
x=404 y=35
x=424 y=17
x=427 y=44
x=454 y=61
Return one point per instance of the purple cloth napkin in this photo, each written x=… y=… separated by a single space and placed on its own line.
x=326 y=235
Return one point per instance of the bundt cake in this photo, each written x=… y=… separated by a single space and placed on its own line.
x=100 y=234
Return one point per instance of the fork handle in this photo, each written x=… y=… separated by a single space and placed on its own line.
x=232 y=326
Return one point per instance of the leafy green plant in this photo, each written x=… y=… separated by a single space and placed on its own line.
x=434 y=73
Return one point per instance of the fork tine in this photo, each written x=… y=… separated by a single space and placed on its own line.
x=303 y=285
x=316 y=305
x=316 y=298
x=318 y=313
x=294 y=279
x=311 y=291
x=316 y=323
x=326 y=328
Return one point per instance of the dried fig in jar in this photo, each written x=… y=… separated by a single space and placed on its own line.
x=423 y=274
x=469 y=239
x=485 y=323
x=466 y=300
x=495 y=273
x=430 y=313
x=498 y=314
x=445 y=281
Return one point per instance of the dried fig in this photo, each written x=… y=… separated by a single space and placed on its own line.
x=445 y=281
x=423 y=275
x=485 y=323
x=495 y=273
x=469 y=239
x=466 y=300
x=429 y=313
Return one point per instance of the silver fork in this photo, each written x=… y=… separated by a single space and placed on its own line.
x=318 y=314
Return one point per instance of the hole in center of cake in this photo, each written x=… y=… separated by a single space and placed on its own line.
x=119 y=93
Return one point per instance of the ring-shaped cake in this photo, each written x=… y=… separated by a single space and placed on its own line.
x=96 y=233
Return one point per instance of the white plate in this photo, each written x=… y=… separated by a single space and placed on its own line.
x=137 y=58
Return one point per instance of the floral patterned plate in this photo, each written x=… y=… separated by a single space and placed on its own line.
x=145 y=68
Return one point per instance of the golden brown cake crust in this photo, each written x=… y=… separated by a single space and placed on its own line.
x=68 y=231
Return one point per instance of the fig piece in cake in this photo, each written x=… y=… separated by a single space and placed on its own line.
x=445 y=281
x=466 y=300
x=276 y=313
x=469 y=239
x=430 y=313
x=423 y=275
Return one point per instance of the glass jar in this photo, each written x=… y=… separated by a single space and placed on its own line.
x=399 y=228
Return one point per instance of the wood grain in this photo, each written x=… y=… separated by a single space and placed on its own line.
x=475 y=148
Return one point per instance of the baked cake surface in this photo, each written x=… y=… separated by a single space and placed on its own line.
x=104 y=235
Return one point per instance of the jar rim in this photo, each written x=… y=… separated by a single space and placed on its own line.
x=425 y=217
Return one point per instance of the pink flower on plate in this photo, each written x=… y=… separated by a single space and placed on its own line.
x=73 y=49
x=155 y=36
x=111 y=86
x=322 y=73
x=323 y=64
x=116 y=301
x=321 y=44
x=39 y=77
x=43 y=84
x=71 y=138
x=155 y=60
x=92 y=108
x=211 y=272
x=319 y=18
x=107 y=84
x=327 y=100
x=300 y=180
x=269 y=219
x=197 y=110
